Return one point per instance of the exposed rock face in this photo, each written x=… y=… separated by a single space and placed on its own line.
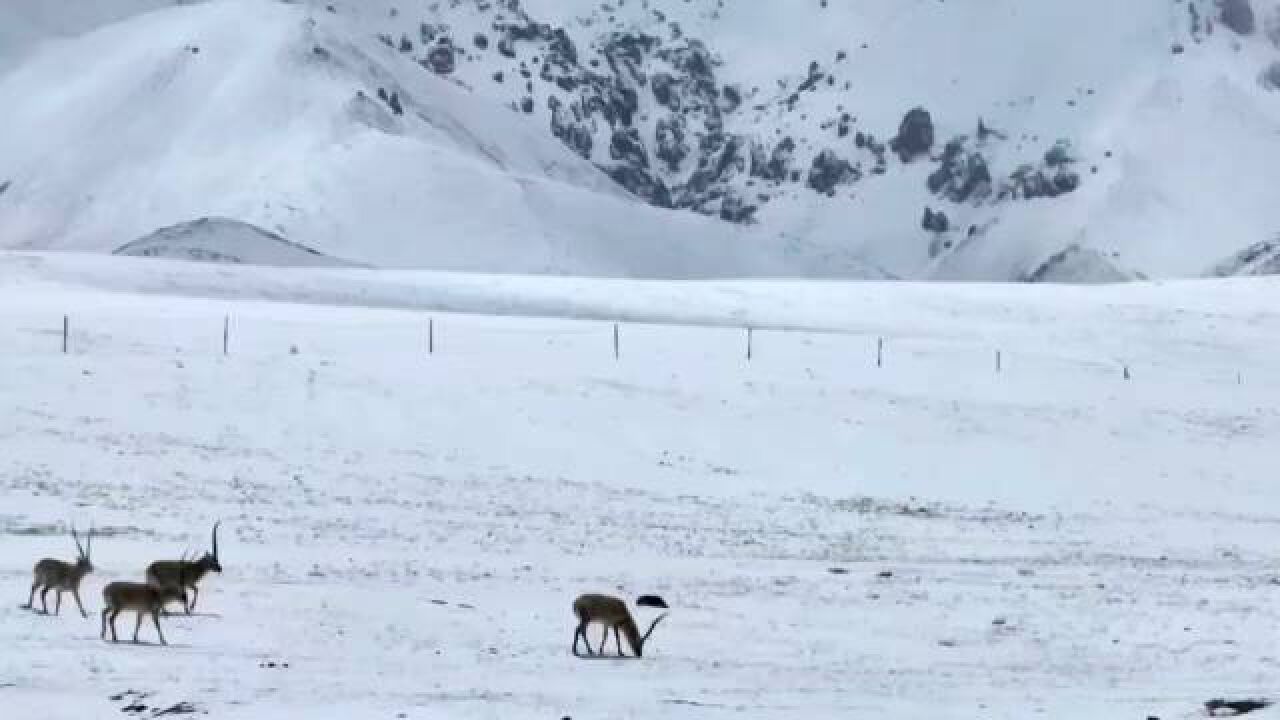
x=1260 y=259
x=1270 y=77
x=440 y=59
x=1238 y=15
x=646 y=104
x=962 y=176
x=829 y=171
x=915 y=135
x=777 y=166
x=1053 y=177
x=934 y=222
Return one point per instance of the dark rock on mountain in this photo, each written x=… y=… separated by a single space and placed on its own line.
x=671 y=145
x=935 y=222
x=627 y=147
x=830 y=171
x=641 y=184
x=1053 y=178
x=915 y=135
x=962 y=176
x=1238 y=15
x=570 y=131
x=1259 y=259
x=778 y=164
x=440 y=59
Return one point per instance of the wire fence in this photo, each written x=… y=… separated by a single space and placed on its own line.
x=347 y=333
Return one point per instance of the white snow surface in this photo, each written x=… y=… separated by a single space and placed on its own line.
x=408 y=530
x=114 y=127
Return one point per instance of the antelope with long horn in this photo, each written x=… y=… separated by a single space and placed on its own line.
x=142 y=599
x=50 y=574
x=185 y=573
x=612 y=613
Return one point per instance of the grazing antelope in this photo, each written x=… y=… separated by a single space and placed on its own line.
x=50 y=574
x=185 y=573
x=613 y=614
x=142 y=599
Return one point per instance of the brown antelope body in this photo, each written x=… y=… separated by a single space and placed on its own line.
x=140 y=598
x=613 y=614
x=185 y=573
x=50 y=574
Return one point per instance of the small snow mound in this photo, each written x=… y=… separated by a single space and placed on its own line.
x=1080 y=266
x=1259 y=259
x=223 y=240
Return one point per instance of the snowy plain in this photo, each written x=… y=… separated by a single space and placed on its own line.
x=406 y=530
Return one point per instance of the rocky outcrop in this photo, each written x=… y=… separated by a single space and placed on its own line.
x=1270 y=77
x=935 y=222
x=1238 y=15
x=1259 y=259
x=1053 y=177
x=649 y=107
x=962 y=176
x=830 y=171
x=915 y=135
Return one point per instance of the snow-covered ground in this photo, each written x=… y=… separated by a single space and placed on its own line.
x=407 y=530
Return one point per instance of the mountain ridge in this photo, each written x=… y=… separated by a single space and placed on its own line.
x=857 y=151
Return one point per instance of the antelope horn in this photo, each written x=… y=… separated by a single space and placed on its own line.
x=653 y=625
x=88 y=543
x=76 y=537
x=215 y=539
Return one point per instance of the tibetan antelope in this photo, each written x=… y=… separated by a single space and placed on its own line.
x=142 y=599
x=50 y=574
x=185 y=573
x=612 y=613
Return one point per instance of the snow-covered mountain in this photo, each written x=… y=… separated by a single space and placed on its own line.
x=972 y=139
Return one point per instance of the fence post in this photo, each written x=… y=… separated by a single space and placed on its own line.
x=66 y=332
x=431 y=335
x=749 y=337
x=1127 y=374
x=999 y=362
x=226 y=333
x=879 y=352
x=617 y=353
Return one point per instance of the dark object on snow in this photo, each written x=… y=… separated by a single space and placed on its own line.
x=915 y=135
x=1238 y=15
x=652 y=601
x=1230 y=708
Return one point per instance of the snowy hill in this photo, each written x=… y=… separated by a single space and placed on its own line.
x=258 y=112
x=220 y=240
x=972 y=139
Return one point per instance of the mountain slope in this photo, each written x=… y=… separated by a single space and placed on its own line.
x=269 y=114
x=973 y=139
x=1153 y=143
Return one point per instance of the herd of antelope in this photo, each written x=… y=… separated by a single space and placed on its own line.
x=168 y=581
